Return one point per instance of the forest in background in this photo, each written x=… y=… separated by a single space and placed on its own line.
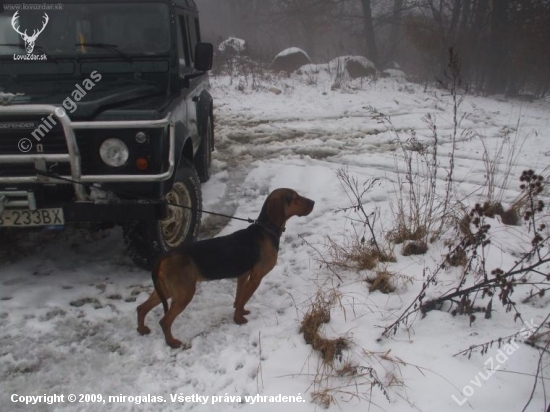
x=503 y=45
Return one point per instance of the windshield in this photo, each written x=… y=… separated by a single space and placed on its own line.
x=87 y=30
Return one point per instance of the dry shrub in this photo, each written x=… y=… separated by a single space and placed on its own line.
x=323 y=398
x=318 y=314
x=403 y=232
x=499 y=161
x=356 y=253
x=417 y=247
x=464 y=225
x=493 y=208
x=382 y=282
x=363 y=253
x=457 y=257
x=508 y=217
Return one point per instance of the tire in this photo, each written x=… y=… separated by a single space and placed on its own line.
x=146 y=240
x=204 y=154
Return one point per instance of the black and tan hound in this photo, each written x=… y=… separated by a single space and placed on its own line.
x=248 y=255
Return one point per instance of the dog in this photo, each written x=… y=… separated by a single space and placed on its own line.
x=248 y=255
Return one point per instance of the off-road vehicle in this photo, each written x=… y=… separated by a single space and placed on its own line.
x=105 y=117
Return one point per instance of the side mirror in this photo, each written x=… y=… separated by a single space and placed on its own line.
x=204 y=54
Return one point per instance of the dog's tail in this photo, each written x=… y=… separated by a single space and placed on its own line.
x=157 y=285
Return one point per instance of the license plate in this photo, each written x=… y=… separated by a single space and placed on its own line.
x=29 y=218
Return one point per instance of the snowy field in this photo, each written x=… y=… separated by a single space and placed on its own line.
x=67 y=308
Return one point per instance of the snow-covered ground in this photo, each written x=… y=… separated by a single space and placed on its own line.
x=67 y=302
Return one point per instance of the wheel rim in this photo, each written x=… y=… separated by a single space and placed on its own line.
x=176 y=225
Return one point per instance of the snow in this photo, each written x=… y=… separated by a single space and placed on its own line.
x=67 y=308
x=234 y=43
x=292 y=50
x=341 y=61
x=333 y=71
x=395 y=73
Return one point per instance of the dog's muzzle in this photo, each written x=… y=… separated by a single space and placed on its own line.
x=309 y=206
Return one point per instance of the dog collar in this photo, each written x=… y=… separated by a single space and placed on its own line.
x=271 y=228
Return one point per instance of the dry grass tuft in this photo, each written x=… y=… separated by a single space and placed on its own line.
x=508 y=217
x=493 y=208
x=403 y=232
x=348 y=369
x=416 y=247
x=511 y=217
x=382 y=282
x=464 y=225
x=457 y=257
x=323 y=398
x=319 y=314
x=356 y=254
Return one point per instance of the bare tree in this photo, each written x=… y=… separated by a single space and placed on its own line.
x=499 y=46
x=395 y=33
x=372 y=51
x=311 y=16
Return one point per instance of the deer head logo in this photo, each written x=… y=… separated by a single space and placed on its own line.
x=29 y=40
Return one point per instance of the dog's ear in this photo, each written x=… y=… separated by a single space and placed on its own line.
x=274 y=208
x=288 y=197
x=277 y=208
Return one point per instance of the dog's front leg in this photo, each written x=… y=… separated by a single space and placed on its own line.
x=240 y=312
x=247 y=288
x=241 y=282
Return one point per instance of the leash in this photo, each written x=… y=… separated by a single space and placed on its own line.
x=98 y=186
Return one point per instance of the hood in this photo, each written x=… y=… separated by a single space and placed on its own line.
x=87 y=100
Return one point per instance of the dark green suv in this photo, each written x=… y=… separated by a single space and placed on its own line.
x=105 y=117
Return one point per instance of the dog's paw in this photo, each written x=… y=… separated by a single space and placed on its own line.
x=144 y=330
x=240 y=320
x=178 y=344
x=245 y=312
x=174 y=343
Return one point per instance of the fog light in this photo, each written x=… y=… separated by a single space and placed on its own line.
x=142 y=163
x=141 y=137
x=114 y=152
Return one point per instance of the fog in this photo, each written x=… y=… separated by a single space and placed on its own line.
x=502 y=45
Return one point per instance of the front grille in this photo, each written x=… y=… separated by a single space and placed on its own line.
x=27 y=169
x=16 y=128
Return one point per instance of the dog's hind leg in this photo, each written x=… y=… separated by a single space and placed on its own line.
x=144 y=309
x=179 y=303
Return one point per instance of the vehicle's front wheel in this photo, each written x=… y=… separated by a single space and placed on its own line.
x=146 y=240
x=204 y=154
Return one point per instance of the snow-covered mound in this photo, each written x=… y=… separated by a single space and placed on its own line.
x=234 y=44
x=290 y=60
x=355 y=66
x=352 y=67
x=397 y=74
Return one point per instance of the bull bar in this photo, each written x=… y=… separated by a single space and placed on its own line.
x=73 y=155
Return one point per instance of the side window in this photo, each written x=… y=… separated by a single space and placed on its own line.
x=191 y=25
x=183 y=43
x=197 y=30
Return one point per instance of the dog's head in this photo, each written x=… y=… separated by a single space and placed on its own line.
x=282 y=204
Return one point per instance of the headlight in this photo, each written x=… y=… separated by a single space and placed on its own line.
x=114 y=152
